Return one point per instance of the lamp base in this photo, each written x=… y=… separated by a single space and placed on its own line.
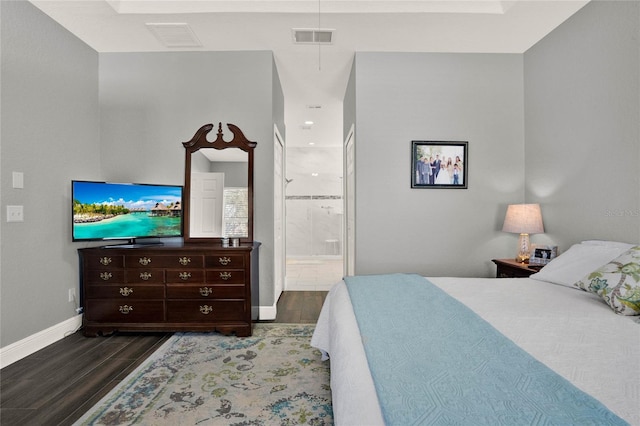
x=523 y=249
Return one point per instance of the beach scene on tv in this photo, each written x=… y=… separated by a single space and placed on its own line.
x=112 y=210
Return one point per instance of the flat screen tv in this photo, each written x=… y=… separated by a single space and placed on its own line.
x=125 y=211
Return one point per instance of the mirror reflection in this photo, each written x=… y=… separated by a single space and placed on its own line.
x=219 y=193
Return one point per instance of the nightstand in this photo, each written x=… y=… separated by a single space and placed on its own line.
x=510 y=268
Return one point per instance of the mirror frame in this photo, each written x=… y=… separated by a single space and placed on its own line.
x=199 y=141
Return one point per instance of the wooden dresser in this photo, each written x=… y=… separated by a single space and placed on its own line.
x=182 y=287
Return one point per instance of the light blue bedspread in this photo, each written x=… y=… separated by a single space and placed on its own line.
x=436 y=362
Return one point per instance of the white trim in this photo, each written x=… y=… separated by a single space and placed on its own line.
x=349 y=222
x=267 y=313
x=280 y=249
x=25 y=347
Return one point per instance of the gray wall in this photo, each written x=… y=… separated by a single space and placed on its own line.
x=235 y=173
x=574 y=96
x=559 y=125
x=50 y=132
x=400 y=97
x=69 y=113
x=349 y=103
x=582 y=94
x=152 y=102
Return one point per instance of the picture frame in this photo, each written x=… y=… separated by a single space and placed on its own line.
x=428 y=170
x=542 y=254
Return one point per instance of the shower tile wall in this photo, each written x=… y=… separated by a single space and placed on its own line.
x=314 y=225
x=314 y=218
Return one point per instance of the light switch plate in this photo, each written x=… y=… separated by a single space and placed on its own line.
x=18 y=180
x=15 y=214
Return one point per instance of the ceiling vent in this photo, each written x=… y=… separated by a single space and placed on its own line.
x=174 y=34
x=312 y=36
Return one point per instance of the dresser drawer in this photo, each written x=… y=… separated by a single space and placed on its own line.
x=125 y=310
x=104 y=276
x=205 y=291
x=103 y=261
x=163 y=261
x=205 y=310
x=186 y=276
x=225 y=261
x=225 y=276
x=150 y=276
x=125 y=292
x=175 y=286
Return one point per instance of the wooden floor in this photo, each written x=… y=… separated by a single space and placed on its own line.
x=58 y=384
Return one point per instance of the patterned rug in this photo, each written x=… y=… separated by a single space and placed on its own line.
x=271 y=378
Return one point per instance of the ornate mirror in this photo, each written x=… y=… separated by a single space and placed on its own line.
x=218 y=186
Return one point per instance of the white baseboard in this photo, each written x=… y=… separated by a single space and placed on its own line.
x=25 y=347
x=267 y=313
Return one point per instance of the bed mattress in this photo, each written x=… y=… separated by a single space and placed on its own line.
x=572 y=332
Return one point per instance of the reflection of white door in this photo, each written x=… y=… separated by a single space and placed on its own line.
x=278 y=214
x=349 y=205
x=207 y=202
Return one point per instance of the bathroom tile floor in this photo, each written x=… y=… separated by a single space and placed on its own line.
x=313 y=273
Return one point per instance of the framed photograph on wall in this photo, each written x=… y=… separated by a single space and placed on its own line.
x=439 y=164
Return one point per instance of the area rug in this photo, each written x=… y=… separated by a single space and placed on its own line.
x=274 y=377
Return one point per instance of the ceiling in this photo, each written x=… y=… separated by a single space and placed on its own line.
x=314 y=77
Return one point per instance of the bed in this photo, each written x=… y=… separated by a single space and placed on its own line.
x=585 y=338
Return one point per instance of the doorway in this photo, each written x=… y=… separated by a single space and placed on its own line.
x=314 y=209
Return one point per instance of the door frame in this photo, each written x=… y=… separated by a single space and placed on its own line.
x=349 y=189
x=279 y=229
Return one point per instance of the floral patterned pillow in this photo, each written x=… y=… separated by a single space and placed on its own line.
x=617 y=282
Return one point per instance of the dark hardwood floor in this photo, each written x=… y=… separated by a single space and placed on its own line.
x=298 y=307
x=58 y=384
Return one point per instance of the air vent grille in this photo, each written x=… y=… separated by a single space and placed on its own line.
x=174 y=34
x=312 y=36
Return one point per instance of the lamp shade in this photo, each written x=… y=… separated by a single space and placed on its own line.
x=523 y=219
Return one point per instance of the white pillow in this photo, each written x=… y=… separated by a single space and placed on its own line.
x=616 y=244
x=577 y=262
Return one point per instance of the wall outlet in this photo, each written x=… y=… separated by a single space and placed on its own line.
x=72 y=295
x=15 y=214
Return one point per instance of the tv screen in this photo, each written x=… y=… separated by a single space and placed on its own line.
x=125 y=211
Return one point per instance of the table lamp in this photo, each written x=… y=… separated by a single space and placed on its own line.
x=523 y=219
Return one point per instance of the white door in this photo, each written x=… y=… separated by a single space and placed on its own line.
x=349 y=204
x=278 y=214
x=207 y=203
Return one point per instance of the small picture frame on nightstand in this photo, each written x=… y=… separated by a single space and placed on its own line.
x=542 y=254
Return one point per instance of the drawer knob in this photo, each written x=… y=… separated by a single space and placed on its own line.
x=144 y=261
x=126 y=291
x=224 y=260
x=205 y=291
x=105 y=260
x=145 y=276
x=225 y=275
x=125 y=309
x=206 y=309
x=184 y=276
x=184 y=261
x=106 y=276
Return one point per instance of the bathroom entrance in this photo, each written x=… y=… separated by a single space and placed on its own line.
x=314 y=211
